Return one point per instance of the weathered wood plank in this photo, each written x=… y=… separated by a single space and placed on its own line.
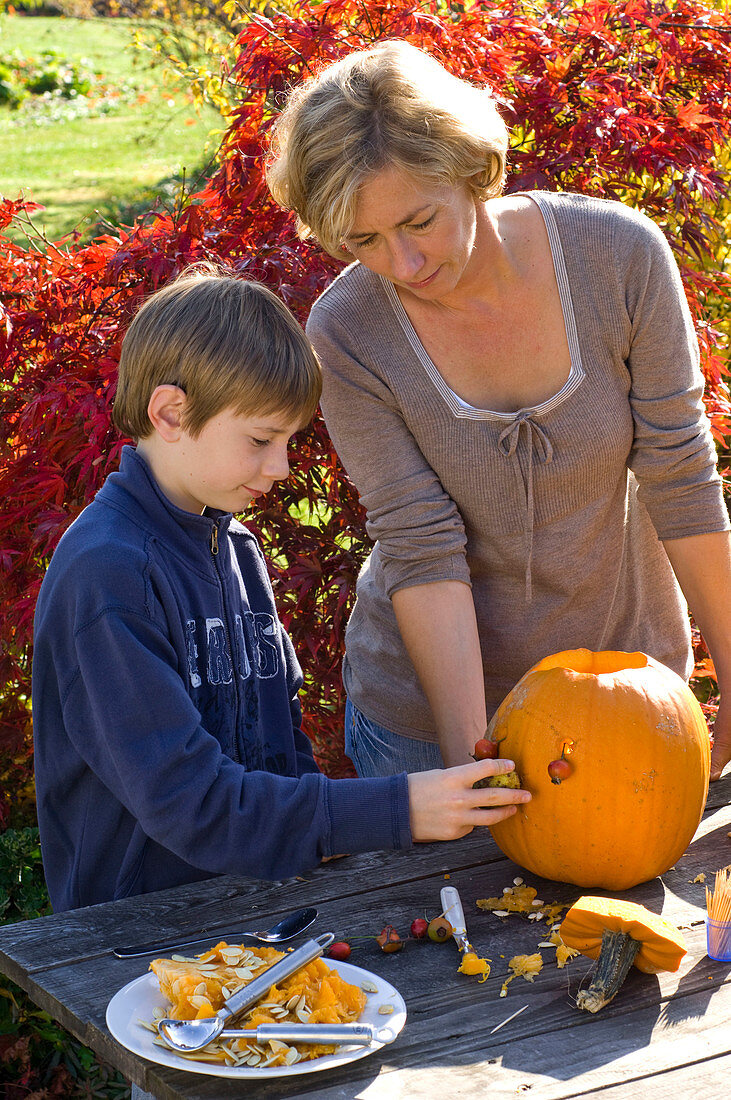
x=226 y=904
x=439 y=1001
x=699 y=1081
x=65 y=964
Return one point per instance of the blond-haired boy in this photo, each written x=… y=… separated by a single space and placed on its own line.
x=168 y=733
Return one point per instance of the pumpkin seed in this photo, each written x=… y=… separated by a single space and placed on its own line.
x=500 y=912
x=291 y=1057
x=147 y=1026
x=517 y=882
x=200 y=989
x=244 y=973
x=159 y=1013
x=253 y=1059
x=385 y=1010
x=303 y=1015
x=198 y=1001
x=368 y=987
x=182 y=959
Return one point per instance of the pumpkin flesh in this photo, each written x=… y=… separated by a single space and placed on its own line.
x=639 y=750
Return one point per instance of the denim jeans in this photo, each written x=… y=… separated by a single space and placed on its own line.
x=378 y=751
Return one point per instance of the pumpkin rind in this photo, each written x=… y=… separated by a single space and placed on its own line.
x=639 y=751
x=662 y=945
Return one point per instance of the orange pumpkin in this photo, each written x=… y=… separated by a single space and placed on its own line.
x=639 y=754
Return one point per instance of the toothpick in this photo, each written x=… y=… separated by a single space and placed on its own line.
x=498 y=1026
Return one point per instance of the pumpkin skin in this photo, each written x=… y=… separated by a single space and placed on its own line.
x=662 y=945
x=639 y=750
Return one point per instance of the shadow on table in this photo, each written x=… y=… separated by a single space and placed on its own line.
x=709 y=851
x=691 y=998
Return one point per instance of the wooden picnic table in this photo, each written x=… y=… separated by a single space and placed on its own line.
x=667 y=1036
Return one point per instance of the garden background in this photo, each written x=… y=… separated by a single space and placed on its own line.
x=141 y=124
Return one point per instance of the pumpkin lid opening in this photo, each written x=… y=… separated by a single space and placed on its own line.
x=593 y=664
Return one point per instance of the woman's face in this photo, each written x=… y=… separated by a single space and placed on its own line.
x=419 y=235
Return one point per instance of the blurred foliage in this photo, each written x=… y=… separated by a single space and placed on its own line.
x=626 y=101
x=48 y=74
x=38 y=1058
x=23 y=894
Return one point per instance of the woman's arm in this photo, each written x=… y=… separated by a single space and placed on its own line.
x=702 y=564
x=439 y=629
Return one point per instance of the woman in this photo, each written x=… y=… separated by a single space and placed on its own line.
x=512 y=384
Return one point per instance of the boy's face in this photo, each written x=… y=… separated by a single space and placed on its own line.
x=234 y=459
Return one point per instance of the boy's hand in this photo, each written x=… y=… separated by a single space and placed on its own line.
x=444 y=806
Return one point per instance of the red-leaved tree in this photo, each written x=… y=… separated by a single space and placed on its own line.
x=625 y=101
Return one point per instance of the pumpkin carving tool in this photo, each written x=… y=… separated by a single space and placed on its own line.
x=188 y=1035
x=453 y=911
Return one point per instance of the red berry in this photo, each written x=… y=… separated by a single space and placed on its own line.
x=559 y=770
x=389 y=940
x=419 y=928
x=485 y=749
x=339 y=950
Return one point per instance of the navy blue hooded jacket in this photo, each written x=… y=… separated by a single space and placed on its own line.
x=168 y=745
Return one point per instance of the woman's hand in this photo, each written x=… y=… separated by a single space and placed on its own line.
x=443 y=805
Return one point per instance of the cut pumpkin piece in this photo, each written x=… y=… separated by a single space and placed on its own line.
x=619 y=934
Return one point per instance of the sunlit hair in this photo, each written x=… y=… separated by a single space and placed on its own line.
x=389 y=106
x=227 y=342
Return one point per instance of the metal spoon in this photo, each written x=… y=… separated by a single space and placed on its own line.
x=187 y=1035
x=285 y=929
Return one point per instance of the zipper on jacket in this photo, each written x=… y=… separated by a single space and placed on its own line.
x=229 y=641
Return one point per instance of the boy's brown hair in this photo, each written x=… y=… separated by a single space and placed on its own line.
x=227 y=342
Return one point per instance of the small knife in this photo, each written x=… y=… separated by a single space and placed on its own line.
x=453 y=911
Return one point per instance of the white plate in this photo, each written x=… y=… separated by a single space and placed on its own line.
x=137 y=1000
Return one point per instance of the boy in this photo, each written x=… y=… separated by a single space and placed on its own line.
x=167 y=727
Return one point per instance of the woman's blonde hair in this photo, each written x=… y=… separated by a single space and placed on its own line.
x=389 y=106
x=226 y=342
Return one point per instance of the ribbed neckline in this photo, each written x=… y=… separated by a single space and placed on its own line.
x=461 y=409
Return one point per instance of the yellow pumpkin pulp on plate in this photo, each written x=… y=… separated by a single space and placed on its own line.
x=196 y=989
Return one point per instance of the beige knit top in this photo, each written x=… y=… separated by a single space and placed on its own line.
x=551 y=513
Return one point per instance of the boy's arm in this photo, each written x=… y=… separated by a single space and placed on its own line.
x=132 y=721
x=302 y=744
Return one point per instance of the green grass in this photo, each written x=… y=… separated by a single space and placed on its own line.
x=114 y=150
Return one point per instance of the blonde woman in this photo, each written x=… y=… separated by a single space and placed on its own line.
x=512 y=383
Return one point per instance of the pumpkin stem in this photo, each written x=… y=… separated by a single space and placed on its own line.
x=616 y=957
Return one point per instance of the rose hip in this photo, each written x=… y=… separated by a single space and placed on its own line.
x=389 y=940
x=339 y=950
x=559 y=770
x=440 y=930
x=419 y=928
